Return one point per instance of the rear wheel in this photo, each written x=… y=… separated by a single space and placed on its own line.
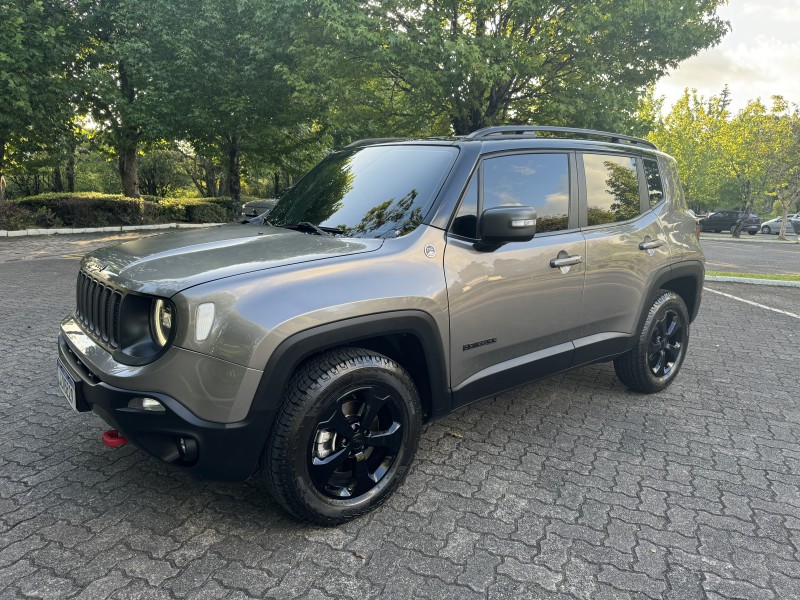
x=733 y=229
x=652 y=364
x=345 y=436
x=752 y=231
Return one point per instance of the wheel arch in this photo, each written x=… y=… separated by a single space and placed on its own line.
x=409 y=337
x=685 y=279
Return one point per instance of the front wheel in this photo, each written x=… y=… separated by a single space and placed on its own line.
x=652 y=364
x=766 y=230
x=345 y=435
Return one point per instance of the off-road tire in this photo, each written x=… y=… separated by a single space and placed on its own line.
x=314 y=390
x=635 y=368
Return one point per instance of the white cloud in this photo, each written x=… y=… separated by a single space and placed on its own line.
x=759 y=58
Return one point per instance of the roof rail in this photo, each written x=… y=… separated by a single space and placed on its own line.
x=533 y=130
x=370 y=141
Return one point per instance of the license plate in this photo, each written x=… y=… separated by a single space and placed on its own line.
x=67 y=385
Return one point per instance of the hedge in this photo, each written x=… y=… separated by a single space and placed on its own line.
x=91 y=209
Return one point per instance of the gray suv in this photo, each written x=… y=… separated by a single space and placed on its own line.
x=397 y=281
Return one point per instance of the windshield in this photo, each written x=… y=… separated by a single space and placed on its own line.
x=377 y=191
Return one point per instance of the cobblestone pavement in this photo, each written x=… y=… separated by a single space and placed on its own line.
x=751 y=257
x=573 y=487
x=48 y=246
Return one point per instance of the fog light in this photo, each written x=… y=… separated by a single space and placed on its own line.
x=150 y=404
x=205 y=319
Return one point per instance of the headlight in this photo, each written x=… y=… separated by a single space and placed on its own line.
x=162 y=321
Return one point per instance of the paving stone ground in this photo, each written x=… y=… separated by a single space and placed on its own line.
x=745 y=256
x=572 y=487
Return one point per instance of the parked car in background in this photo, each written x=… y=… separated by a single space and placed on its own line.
x=795 y=222
x=774 y=225
x=726 y=220
x=254 y=208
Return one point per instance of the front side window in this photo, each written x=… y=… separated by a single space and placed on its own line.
x=376 y=191
x=537 y=180
x=612 y=188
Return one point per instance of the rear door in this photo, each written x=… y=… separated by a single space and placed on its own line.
x=621 y=199
x=512 y=314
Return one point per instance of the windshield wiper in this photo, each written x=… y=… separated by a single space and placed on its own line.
x=306 y=226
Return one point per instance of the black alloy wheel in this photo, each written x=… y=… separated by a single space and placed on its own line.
x=666 y=344
x=654 y=361
x=344 y=437
x=357 y=442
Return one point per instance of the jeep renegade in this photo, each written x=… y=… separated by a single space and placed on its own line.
x=395 y=282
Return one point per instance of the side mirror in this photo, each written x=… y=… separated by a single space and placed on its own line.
x=506 y=224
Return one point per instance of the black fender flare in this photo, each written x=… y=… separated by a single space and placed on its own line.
x=691 y=269
x=299 y=346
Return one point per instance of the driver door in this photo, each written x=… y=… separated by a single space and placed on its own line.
x=513 y=314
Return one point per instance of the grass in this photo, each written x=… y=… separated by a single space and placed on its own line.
x=779 y=277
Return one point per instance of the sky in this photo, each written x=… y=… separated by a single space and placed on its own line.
x=759 y=57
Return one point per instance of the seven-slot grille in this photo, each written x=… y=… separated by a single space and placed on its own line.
x=98 y=309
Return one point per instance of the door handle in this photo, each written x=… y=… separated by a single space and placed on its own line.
x=651 y=244
x=567 y=261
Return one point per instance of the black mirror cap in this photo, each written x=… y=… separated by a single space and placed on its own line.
x=506 y=224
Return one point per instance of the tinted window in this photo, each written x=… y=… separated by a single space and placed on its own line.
x=537 y=180
x=612 y=188
x=655 y=190
x=378 y=191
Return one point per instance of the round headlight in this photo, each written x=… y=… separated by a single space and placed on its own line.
x=162 y=322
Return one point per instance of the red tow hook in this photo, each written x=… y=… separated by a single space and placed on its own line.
x=113 y=439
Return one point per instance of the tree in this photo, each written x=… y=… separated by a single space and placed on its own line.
x=217 y=75
x=736 y=161
x=686 y=133
x=783 y=164
x=480 y=63
x=36 y=49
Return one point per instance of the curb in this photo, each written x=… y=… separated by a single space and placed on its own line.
x=114 y=229
x=772 y=282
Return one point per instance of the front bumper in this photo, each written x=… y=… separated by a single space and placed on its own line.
x=224 y=451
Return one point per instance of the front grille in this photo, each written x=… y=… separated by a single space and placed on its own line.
x=98 y=309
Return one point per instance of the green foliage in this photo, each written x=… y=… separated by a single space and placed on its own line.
x=160 y=171
x=745 y=161
x=473 y=64
x=37 y=44
x=101 y=210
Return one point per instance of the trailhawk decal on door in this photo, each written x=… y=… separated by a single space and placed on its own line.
x=478 y=344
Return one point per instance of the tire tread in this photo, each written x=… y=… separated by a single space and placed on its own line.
x=297 y=400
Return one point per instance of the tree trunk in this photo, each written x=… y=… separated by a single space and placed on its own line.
x=784 y=219
x=127 y=141
x=276 y=184
x=71 y=171
x=748 y=208
x=234 y=176
x=210 y=178
x=127 y=170
x=58 y=183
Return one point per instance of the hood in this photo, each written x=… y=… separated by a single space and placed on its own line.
x=165 y=264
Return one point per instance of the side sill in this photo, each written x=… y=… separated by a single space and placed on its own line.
x=513 y=373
